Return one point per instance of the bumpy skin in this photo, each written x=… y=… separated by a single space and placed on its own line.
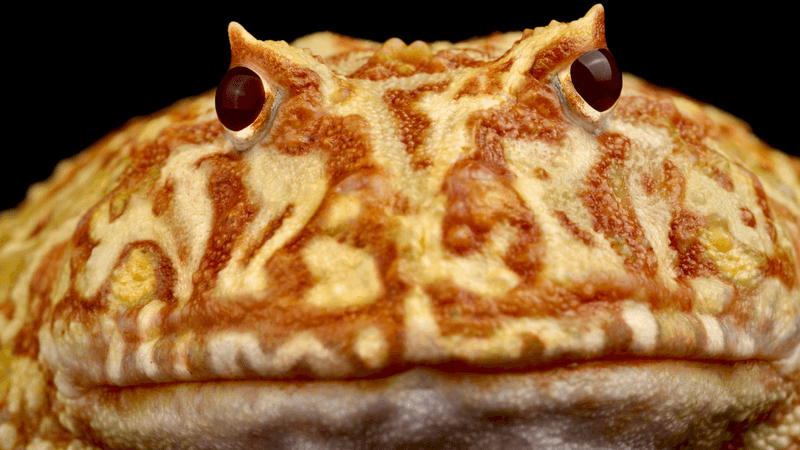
x=423 y=246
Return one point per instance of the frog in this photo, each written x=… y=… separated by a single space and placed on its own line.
x=503 y=242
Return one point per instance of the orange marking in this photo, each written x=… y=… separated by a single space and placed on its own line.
x=232 y=212
x=613 y=213
x=581 y=235
x=412 y=122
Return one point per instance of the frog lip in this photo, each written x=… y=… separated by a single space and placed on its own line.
x=84 y=356
x=640 y=399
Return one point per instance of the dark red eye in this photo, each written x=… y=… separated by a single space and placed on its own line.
x=240 y=98
x=597 y=79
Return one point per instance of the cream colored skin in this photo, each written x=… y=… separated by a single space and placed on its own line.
x=704 y=360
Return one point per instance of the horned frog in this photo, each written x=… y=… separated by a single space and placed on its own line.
x=495 y=244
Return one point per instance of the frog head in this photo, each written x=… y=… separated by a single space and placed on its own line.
x=498 y=243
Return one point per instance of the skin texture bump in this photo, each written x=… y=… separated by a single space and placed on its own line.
x=438 y=237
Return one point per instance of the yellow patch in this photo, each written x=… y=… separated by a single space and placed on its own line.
x=372 y=347
x=6 y=357
x=345 y=276
x=344 y=210
x=735 y=262
x=134 y=282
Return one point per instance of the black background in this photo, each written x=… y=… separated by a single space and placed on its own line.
x=74 y=75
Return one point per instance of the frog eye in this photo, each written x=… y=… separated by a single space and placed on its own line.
x=244 y=104
x=240 y=98
x=597 y=79
x=590 y=87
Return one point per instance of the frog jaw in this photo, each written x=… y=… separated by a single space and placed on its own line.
x=619 y=404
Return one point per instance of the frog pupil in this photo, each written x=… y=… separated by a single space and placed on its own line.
x=240 y=98
x=597 y=79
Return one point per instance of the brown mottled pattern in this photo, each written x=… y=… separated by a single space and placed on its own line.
x=748 y=218
x=232 y=213
x=395 y=59
x=270 y=230
x=27 y=343
x=535 y=115
x=438 y=218
x=485 y=82
x=608 y=202
x=479 y=197
x=413 y=123
x=554 y=55
x=683 y=237
x=583 y=235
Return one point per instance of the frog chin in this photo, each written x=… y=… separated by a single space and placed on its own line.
x=612 y=404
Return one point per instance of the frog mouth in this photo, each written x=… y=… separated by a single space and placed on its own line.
x=601 y=404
